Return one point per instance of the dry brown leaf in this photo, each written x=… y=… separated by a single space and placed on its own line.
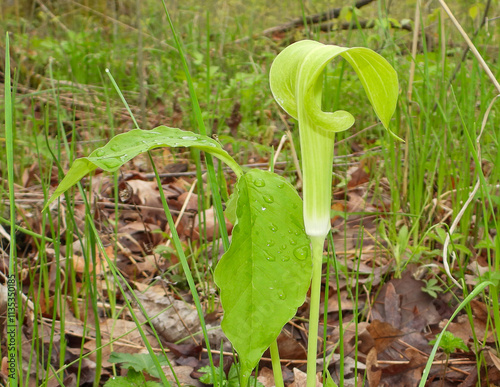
x=212 y=230
x=174 y=319
x=392 y=306
x=384 y=334
x=183 y=374
x=373 y=372
x=495 y=359
x=300 y=379
x=266 y=377
x=409 y=374
x=289 y=347
x=417 y=307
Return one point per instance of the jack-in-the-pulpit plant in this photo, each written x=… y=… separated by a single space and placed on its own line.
x=296 y=80
x=277 y=240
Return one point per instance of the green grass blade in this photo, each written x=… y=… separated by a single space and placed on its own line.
x=9 y=142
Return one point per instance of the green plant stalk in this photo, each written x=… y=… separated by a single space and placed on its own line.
x=275 y=360
x=9 y=144
x=312 y=345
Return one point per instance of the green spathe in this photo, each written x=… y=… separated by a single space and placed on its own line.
x=296 y=83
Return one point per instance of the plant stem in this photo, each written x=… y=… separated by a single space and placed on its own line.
x=275 y=359
x=312 y=346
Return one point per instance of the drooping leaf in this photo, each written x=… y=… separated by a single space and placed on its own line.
x=124 y=147
x=265 y=274
x=139 y=362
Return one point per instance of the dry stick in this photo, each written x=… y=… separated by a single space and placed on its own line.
x=55 y=19
x=363 y=24
x=469 y=200
x=183 y=209
x=312 y=19
x=292 y=148
x=278 y=151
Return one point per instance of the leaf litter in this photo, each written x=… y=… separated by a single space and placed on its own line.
x=399 y=318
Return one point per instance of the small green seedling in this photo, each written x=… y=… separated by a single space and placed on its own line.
x=277 y=240
x=231 y=380
x=137 y=364
x=449 y=344
x=133 y=379
x=431 y=287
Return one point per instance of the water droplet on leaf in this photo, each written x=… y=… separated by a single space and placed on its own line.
x=112 y=163
x=190 y=138
x=259 y=183
x=301 y=253
x=293 y=242
x=99 y=152
x=115 y=148
x=273 y=227
x=271 y=259
x=268 y=198
x=281 y=295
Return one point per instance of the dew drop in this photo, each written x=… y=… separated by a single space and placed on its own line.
x=99 y=152
x=273 y=227
x=293 y=242
x=259 y=183
x=301 y=253
x=270 y=243
x=271 y=259
x=285 y=258
x=190 y=138
x=115 y=148
x=283 y=247
x=281 y=185
x=268 y=198
x=281 y=295
x=112 y=163
x=263 y=208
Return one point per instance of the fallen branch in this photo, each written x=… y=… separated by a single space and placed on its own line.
x=312 y=19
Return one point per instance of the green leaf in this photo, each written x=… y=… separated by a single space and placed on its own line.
x=329 y=381
x=133 y=379
x=264 y=276
x=450 y=343
x=138 y=362
x=124 y=147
